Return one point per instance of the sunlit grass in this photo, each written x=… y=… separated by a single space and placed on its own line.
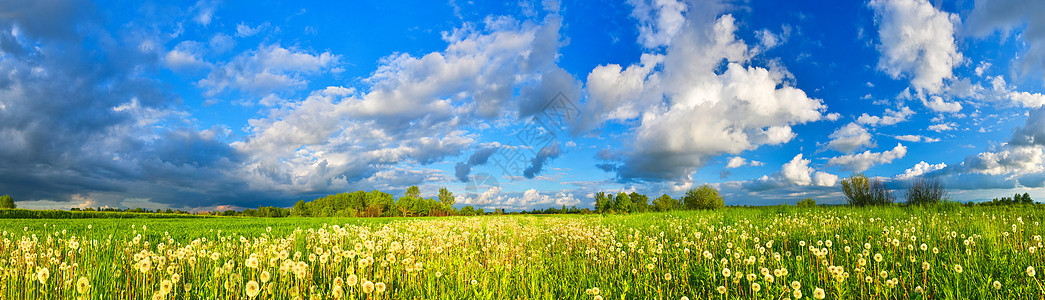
x=767 y=253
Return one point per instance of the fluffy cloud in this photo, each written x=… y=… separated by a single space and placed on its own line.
x=1006 y=16
x=919 y=169
x=737 y=161
x=697 y=100
x=943 y=127
x=862 y=161
x=796 y=172
x=268 y=69
x=849 y=137
x=937 y=104
x=916 y=138
x=916 y=40
x=891 y=117
x=659 y=20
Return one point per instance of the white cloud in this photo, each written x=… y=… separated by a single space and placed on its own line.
x=849 y=137
x=268 y=69
x=798 y=172
x=687 y=111
x=1002 y=91
x=916 y=138
x=659 y=20
x=862 y=161
x=244 y=30
x=943 y=127
x=184 y=57
x=919 y=169
x=937 y=104
x=890 y=117
x=737 y=161
x=1011 y=160
x=916 y=40
x=1013 y=17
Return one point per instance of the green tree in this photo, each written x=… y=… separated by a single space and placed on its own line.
x=446 y=197
x=413 y=192
x=665 y=203
x=603 y=202
x=623 y=203
x=925 y=191
x=862 y=191
x=7 y=202
x=641 y=201
x=807 y=202
x=703 y=197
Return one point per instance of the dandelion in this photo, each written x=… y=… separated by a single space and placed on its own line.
x=474 y=282
x=352 y=280
x=1030 y=271
x=166 y=286
x=919 y=289
x=337 y=292
x=175 y=277
x=252 y=262
x=684 y=298
x=42 y=275
x=82 y=285
x=368 y=287
x=595 y=291
x=796 y=285
x=597 y=297
x=667 y=276
x=997 y=285
x=797 y=293
x=265 y=276
x=379 y=287
x=819 y=293
x=145 y=265
x=958 y=269
x=755 y=287
x=253 y=289
x=721 y=289
x=725 y=272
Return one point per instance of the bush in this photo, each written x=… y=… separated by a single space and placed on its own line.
x=7 y=202
x=863 y=191
x=807 y=202
x=925 y=191
x=703 y=197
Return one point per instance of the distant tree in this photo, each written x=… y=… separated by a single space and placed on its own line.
x=1025 y=199
x=413 y=192
x=603 y=202
x=623 y=203
x=703 y=197
x=807 y=202
x=665 y=203
x=925 y=191
x=301 y=209
x=446 y=197
x=862 y=191
x=641 y=201
x=7 y=202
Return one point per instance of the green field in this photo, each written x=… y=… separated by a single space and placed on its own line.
x=763 y=253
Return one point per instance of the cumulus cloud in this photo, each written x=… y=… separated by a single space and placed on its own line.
x=890 y=117
x=267 y=69
x=659 y=20
x=862 y=161
x=737 y=161
x=916 y=40
x=943 y=127
x=796 y=172
x=849 y=137
x=919 y=169
x=244 y=30
x=916 y=138
x=937 y=104
x=1022 y=18
x=697 y=99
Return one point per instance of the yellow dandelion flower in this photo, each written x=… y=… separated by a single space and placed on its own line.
x=1030 y=271
x=83 y=285
x=253 y=289
x=42 y=275
x=819 y=293
x=379 y=287
x=352 y=280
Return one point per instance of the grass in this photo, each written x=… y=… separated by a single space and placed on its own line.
x=770 y=253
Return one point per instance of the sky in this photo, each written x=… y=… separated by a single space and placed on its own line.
x=204 y=105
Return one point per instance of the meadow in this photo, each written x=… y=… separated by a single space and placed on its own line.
x=734 y=253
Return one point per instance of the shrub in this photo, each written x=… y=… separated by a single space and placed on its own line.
x=7 y=202
x=925 y=191
x=703 y=197
x=863 y=191
x=807 y=202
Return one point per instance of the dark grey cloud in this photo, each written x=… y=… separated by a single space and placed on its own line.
x=537 y=163
x=462 y=169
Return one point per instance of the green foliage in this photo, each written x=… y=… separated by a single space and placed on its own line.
x=641 y=202
x=1016 y=199
x=926 y=191
x=603 y=202
x=666 y=203
x=7 y=202
x=446 y=197
x=807 y=202
x=623 y=203
x=703 y=197
x=863 y=191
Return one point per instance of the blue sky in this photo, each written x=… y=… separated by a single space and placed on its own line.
x=231 y=104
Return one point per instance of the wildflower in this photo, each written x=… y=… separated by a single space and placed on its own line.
x=82 y=285
x=166 y=286
x=352 y=279
x=958 y=269
x=796 y=285
x=797 y=293
x=997 y=285
x=667 y=276
x=725 y=272
x=755 y=287
x=265 y=276
x=925 y=266
x=474 y=282
x=252 y=262
x=1030 y=271
x=721 y=289
x=379 y=287
x=597 y=297
x=684 y=298
x=42 y=275
x=595 y=291
x=337 y=292
x=919 y=289
x=252 y=289
x=368 y=287
x=819 y=293
x=175 y=277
